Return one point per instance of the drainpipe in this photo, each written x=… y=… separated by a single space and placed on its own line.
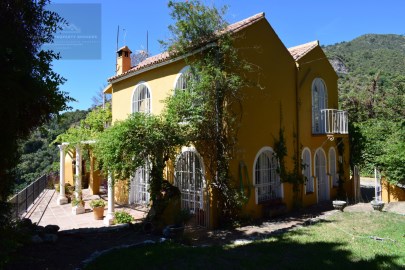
x=297 y=115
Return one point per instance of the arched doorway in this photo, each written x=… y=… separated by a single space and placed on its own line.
x=321 y=176
x=139 y=186
x=189 y=178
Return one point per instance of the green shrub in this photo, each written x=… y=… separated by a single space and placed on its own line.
x=97 y=203
x=121 y=217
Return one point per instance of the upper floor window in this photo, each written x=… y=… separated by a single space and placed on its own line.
x=141 y=99
x=319 y=102
x=266 y=178
x=183 y=79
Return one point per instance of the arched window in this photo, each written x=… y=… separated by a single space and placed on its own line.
x=332 y=167
x=306 y=170
x=319 y=102
x=189 y=178
x=182 y=79
x=141 y=99
x=139 y=186
x=321 y=176
x=266 y=179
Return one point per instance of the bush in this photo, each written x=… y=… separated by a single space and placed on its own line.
x=97 y=203
x=121 y=217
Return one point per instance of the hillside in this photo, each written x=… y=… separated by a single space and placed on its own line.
x=371 y=71
x=372 y=75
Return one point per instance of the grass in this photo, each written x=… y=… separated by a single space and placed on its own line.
x=343 y=241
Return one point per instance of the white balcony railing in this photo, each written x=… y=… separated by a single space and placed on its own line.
x=334 y=121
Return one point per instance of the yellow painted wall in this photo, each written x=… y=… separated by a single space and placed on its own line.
x=160 y=82
x=265 y=109
x=391 y=193
x=69 y=168
x=315 y=65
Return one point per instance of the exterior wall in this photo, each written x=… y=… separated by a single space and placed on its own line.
x=160 y=82
x=315 y=65
x=391 y=193
x=265 y=109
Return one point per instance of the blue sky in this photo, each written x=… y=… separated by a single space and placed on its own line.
x=295 y=22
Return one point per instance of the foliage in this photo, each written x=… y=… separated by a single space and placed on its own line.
x=89 y=128
x=97 y=203
x=372 y=90
x=77 y=201
x=30 y=89
x=121 y=217
x=37 y=156
x=210 y=106
x=343 y=241
x=125 y=147
x=294 y=176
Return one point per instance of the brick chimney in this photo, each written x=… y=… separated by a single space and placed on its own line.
x=123 y=60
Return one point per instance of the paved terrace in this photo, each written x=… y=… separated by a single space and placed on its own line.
x=45 y=211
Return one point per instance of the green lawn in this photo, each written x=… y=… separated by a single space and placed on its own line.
x=342 y=242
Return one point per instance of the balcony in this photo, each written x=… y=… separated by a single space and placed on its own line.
x=334 y=122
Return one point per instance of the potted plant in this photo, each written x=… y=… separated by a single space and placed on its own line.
x=98 y=208
x=77 y=206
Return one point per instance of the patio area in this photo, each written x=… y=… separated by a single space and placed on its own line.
x=46 y=211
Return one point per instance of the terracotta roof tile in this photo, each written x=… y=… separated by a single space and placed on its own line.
x=162 y=57
x=299 y=51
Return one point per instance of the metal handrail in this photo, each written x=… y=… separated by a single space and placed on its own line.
x=334 y=121
x=26 y=197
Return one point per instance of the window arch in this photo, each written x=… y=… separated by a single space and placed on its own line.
x=332 y=167
x=141 y=99
x=266 y=179
x=319 y=102
x=189 y=178
x=307 y=170
x=182 y=79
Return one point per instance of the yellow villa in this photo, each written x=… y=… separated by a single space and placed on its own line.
x=299 y=95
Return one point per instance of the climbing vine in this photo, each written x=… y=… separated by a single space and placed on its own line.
x=293 y=176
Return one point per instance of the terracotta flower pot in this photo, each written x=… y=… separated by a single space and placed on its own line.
x=98 y=212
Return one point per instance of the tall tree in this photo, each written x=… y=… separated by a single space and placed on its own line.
x=30 y=89
x=217 y=75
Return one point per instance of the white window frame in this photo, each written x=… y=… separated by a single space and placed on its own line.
x=186 y=187
x=274 y=186
x=319 y=102
x=307 y=170
x=135 y=94
x=333 y=168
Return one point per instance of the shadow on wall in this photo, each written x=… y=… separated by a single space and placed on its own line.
x=392 y=193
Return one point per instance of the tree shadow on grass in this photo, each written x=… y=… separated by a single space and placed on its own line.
x=274 y=253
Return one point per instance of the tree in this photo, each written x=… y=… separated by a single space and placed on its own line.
x=30 y=89
x=211 y=104
x=128 y=144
